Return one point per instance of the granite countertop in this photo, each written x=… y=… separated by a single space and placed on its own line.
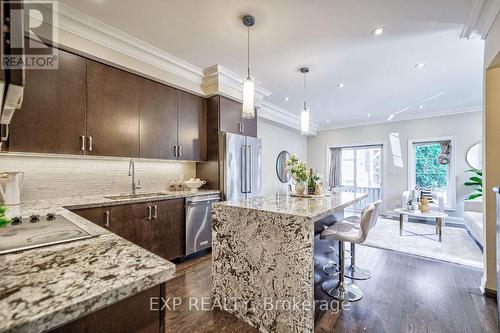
x=313 y=208
x=46 y=287
x=62 y=205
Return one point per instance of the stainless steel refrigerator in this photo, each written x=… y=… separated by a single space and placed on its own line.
x=240 y=167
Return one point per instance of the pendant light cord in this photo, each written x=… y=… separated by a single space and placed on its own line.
x=305 y=92
x=248 y=51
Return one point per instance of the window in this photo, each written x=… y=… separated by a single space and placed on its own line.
x=425 y=170
x=362 y=171
x=362 y=166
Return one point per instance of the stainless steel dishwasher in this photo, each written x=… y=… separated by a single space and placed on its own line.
x=199 y=223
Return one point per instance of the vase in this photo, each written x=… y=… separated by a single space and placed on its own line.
x=300 y=188
x=424 y=205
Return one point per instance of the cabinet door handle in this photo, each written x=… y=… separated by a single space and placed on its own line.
x=155 y=212
x=180 y=151
x=150 y=213
x=82 y=142
x=106 y=218
x=175 y=151
x=239 y=127
x=90 y=143
x=242 y=128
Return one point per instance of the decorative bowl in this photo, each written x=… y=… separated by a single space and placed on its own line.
x=194 y=184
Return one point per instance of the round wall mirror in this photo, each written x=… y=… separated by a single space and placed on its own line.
x=283 y=175
x=474 y=156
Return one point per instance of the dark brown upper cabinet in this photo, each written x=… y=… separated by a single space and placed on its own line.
x=158 y=119
x=52 y=116
x=89 y=108
x=231 y=120
x=192 y=127
x=112 y=111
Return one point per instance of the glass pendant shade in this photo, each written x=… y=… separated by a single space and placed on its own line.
x=248 y=98
x=304 y=121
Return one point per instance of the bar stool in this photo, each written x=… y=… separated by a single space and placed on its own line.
x=343 y=232
x=354 y=272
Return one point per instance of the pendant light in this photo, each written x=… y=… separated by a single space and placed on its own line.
x=248 y=110
x=304 y=114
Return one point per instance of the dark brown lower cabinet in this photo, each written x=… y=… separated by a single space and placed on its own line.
x=131 y=222
x=155 y=226
x=98 y=215
x=133 y=314
x=168 y=229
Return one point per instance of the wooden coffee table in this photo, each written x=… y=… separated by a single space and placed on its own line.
x=439 y=216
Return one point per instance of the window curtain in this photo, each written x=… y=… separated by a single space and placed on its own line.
x=335 y=174
x=444 y=156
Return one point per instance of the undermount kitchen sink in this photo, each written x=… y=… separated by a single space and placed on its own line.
x=135 y=196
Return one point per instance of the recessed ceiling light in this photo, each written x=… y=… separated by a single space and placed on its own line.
x=390 y=117
x=420 y=106
x=420 y=65
x=286 y=99
x=328 y=121
x=378 y=31
x=369 y=114
x=340 y=85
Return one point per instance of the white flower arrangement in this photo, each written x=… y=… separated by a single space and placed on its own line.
x=297 y=168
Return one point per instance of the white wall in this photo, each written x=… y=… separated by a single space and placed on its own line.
x=274 y=140
x=65 y=176
x=466 y=128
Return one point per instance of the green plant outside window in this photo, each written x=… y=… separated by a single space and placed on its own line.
x=429 y=173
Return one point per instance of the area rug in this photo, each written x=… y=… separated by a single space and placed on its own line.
x=457 y=246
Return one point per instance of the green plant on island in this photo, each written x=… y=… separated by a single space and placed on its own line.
x=475 y=181
x=297 y=168
x=3 y=219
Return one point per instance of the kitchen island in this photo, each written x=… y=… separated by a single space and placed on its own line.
x=263 y=252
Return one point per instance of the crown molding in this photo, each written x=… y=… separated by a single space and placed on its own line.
x=481 y=18
x=444 y=113
x=219 y=80
x=82 y=25
x=281 y=116
x=211 y=81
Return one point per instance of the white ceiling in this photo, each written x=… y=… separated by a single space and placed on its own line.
x=333 y=38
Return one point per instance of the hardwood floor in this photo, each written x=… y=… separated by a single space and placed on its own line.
x=405 y=294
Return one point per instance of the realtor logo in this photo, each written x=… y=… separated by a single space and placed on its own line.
x=29 y=23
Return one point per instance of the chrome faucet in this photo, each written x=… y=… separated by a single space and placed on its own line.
x=131 y=173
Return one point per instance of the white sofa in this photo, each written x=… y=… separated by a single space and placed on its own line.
x=473 y=219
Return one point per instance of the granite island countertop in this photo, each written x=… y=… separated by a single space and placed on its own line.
x=314 y=208
x=46 y=287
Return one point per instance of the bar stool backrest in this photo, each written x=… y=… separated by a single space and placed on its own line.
x=378 y=208
x=368 y=220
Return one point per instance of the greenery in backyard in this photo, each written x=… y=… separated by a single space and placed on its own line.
x=476 y=181
x=429 y=173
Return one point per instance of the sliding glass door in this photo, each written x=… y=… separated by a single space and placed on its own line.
x=362 y=172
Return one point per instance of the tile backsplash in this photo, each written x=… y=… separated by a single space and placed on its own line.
x=49 y=177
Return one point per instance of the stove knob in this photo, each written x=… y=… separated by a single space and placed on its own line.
x=16 y=220
x=34 y=218
x=51 y=216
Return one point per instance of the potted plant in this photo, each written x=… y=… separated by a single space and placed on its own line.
x=3 y=219
x=298 y=170
x=476 y=181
